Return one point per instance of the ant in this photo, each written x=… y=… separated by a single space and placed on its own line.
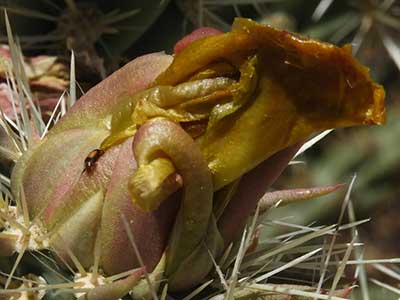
x=91 y=160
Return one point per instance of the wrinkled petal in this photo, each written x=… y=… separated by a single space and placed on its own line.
x=194 y=214
x=194 y=36
x=304 y=86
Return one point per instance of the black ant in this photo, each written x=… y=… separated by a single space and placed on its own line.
x=91 y=160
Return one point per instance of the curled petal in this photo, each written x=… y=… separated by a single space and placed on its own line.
x=150 y=230
x=169 y=139
x=153 y=183
x=189 y=101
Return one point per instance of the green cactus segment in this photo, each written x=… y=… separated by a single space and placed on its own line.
x=164 y=137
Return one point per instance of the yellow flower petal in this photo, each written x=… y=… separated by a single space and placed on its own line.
x=305 y=86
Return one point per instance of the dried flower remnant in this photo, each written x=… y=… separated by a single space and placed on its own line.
x=182 y=139
x=303 y=86
x=47 y=78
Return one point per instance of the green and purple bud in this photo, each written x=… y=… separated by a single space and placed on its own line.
x=183 y=147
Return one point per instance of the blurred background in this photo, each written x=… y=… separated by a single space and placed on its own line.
x=106 y=34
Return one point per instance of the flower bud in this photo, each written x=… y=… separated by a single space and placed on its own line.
x=183 y=147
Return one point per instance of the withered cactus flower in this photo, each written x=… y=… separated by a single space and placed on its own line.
x=184 y=146
x=47 y=78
